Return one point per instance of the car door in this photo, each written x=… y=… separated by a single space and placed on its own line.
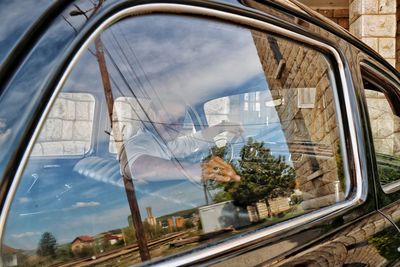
x=381 y=96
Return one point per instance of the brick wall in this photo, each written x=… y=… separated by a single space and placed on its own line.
x=317 y=177
x=340 y=16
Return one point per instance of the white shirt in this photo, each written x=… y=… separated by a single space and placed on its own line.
x=146 y=143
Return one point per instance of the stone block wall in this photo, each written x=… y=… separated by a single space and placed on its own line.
x=68 y=128
x=384 y=124
x=374 y=22
x=311 y=132
x=279 y=205
x=260 y=210
x=252 y=211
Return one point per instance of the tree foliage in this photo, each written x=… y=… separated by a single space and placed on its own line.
x=64 y=252
x=388 y=168
x=263 y=176
x=153 y=231
x=85 y=251
x=130 y=235
x=188 y=224
x=386 y=242
x=47 y=245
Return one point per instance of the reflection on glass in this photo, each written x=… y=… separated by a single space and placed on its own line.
x=221 y=129
x=68 y=129
x=385 y=127
x=263 y=178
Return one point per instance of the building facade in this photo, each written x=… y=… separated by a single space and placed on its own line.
x=81 y=242
x=375 y=22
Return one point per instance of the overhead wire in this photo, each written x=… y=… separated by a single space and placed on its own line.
x=119 y=51
x=136 y=58
x=147 y=116
x=136 y=77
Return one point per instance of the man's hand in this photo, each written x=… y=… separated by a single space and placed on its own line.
x=217 y=169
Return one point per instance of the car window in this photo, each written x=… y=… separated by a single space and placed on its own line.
x=220 y=130
x=385 y=125
x=127 y=116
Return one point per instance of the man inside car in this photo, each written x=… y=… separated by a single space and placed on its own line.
x=158 y=150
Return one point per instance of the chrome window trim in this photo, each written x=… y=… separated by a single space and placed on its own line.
x=358 y=195
x=378 y=69
x=391 y=188
x=381 y=71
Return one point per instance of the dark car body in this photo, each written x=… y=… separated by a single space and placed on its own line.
x=360 y=230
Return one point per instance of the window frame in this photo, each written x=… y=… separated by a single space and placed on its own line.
x=349 y=146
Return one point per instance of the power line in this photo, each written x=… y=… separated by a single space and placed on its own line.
x=136 y=58
x=146 y=114
x=122 y=56
x=141 y=87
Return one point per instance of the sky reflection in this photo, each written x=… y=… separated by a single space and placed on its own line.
x=148 y=57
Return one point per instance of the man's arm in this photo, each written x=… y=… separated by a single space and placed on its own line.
x=184 y=146
x=149 y=168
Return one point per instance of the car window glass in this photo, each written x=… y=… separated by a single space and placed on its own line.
x=127 y=116
x=385 y=126
x=220 y=130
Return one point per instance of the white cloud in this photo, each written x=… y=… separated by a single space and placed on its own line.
x=23 y=200
x=25 y=234
x=31 y=213
x=78 y=205
x=199 y=59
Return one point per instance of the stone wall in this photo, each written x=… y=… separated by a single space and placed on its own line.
x=277 y=205
x=310 y=130
x=68 y=128
x=384 y=124
x=374 y=22
x=260 y=210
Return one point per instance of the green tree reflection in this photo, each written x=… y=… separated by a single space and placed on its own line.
x=387 y=243
x=263 y=176
x=47 y=245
